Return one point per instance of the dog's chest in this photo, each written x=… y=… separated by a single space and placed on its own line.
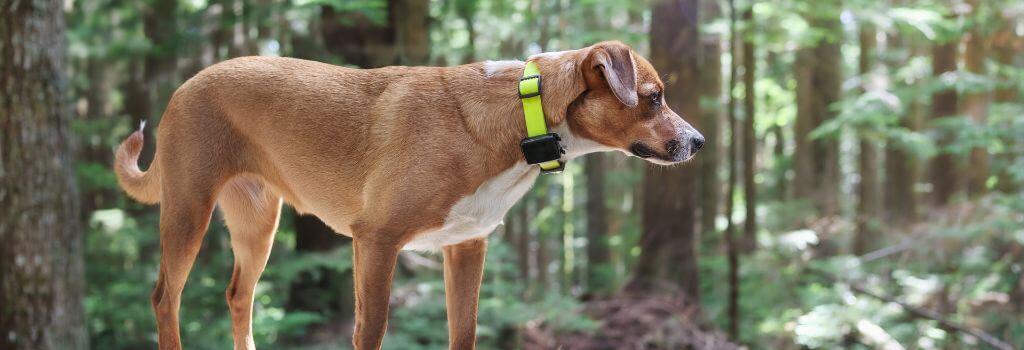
x=480 y=213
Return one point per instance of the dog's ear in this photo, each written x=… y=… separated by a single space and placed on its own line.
x=614 y=61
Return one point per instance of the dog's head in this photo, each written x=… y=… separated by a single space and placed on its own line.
x=624 y=107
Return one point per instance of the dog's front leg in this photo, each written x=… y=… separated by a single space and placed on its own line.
x=373 y=267
x=463 y=270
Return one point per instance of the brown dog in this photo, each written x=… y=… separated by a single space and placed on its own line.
x=397 y=157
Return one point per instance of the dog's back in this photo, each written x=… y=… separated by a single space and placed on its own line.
x=307 y=128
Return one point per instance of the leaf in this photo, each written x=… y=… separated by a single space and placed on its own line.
x=924 y=20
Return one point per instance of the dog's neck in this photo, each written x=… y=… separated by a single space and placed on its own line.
x=498 y=124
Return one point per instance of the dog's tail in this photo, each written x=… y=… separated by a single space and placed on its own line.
x=144 y=186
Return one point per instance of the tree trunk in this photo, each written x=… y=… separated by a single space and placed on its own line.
x=818 y=75
x=1005 y=47
x=145 y=72
x=710 y=100
x=976 y=105
x=827 y=80
x=731 y=248
x=523 y=244
x=600 y=275
x=543 y=256
x=901 y=167
x=412 y=29
x=804 y=178
x=324 y=291
x=403 y=39
x=41 y=255
x=868 y=236
x=779 y=154
x=749 y=138
x=945 y=168
x=667 y=256
x=357 y=39
x=96 y=151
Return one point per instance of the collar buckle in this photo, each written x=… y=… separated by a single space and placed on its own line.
x=529 y=86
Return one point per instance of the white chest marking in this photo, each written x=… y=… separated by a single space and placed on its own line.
x=478 y=214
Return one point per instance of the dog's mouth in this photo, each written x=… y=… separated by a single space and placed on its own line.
x=641 y=150
x=676 y=155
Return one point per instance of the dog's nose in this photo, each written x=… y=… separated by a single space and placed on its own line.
x=697 y=142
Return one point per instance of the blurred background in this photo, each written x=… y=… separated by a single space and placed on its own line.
x=861 y=187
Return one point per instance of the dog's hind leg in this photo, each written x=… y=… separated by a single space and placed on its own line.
x=252 y=212
x=184 y=217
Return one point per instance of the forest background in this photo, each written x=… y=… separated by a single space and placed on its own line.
x=861 y=186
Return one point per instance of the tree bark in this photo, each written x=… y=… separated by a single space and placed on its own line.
x=668 y=258
x=945 y=170
x=868 y=204
x=749 y=138
x=42 y=287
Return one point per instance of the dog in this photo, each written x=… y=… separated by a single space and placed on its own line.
x=396 y=158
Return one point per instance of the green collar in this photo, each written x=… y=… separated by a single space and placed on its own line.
x=539 y=146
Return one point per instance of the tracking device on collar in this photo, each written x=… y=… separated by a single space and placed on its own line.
x=542 y=149
x=539 y=147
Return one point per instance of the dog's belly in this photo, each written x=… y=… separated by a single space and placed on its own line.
x=478 y=214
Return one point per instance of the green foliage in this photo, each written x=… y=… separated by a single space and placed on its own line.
x=964 y=259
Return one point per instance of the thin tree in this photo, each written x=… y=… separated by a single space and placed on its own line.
x=902 y=167
x=868 y=203
x=41 y=255
x=600 y=274
x=1006 y=47
x=749 y=138
x=976 y=104
x=945 y=169
x=731 y=249
x=818 y=76
x=711 y=108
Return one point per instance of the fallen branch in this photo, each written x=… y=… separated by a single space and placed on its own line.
x=920 y=312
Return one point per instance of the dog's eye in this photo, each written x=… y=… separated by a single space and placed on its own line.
x=656 y=99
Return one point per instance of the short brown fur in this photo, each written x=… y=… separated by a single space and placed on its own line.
x=380 y=155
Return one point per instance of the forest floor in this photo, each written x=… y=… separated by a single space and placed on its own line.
x=630 y=321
